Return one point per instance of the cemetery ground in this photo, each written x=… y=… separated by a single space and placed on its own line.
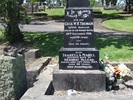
x=119 y=49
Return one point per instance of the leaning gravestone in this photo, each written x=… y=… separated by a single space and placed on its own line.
x=79 y=59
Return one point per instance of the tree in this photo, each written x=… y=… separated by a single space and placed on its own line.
x=59 y=2
x=32 y=5
x=9 y=14
x=92 y=2
x=113 y=2
x=106 y=3
x=129 y=5
x=48 y=2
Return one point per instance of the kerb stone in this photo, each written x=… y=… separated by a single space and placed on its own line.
x=32 y=54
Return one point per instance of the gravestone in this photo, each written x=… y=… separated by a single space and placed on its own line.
x=79 y=60
x=78 y=3
x=78 y=51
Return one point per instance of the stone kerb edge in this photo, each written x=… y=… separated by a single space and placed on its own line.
x=34 y=70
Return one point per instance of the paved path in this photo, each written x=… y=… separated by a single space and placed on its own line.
x=58 y=26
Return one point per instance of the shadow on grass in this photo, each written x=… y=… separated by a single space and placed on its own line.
x=109 y=16
x=44 y=16
x=50 y=43
x=102 y=42
x=56 y=17
x=104 y=39
x=40 y=16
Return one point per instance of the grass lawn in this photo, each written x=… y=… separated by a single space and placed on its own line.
x=118 y=49
x=48 y=14
x=107 y=11
x=124 y=24
x=55 y=12
x=118 y=21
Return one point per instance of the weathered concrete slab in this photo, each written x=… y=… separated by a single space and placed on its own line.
x=40 y=86
x=80 y=80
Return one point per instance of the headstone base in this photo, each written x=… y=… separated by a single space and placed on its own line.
x=80 y=80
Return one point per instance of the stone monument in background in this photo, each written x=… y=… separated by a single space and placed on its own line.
x=79 y=60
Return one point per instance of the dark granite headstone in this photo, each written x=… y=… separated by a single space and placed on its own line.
x=78 y=3
x=78 y=27
x=78 y=60
x=78 y=51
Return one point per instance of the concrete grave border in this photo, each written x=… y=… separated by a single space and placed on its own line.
x=43 y=86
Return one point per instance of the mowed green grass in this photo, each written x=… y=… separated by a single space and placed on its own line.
x=49 y=14
x=118 y=49
x=117 y=20
x=55 y=12
x=61 y=11
x=107 y=11
x=124 y=24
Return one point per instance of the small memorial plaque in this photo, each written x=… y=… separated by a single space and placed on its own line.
x=78 y=27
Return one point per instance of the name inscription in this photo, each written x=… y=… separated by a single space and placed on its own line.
x=79 y=60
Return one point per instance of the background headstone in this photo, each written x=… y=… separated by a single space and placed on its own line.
x=78 y=3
